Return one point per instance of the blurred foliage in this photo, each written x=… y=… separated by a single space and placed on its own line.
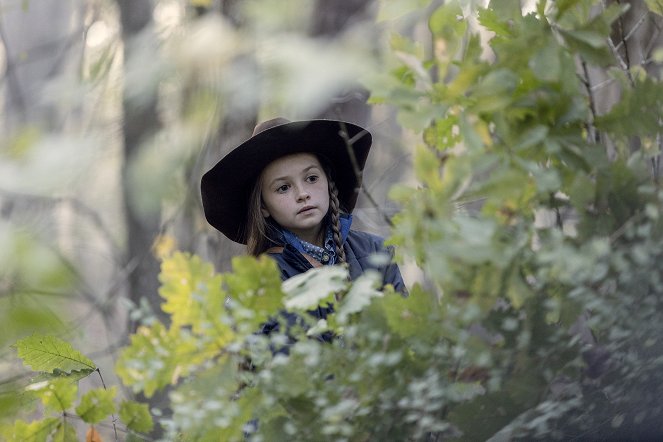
x=536 y=221
x=27 y=268
x=57 y=369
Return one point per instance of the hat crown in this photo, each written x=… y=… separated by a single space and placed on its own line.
x=265 y=125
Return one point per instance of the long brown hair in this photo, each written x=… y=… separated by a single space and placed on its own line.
x=261 y=233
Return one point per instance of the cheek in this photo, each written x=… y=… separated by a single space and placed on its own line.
x=273 y=202
x=324 y=197
x=265 y=204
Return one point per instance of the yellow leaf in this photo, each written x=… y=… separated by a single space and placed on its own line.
x=164 y=246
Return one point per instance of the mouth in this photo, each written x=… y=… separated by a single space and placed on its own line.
x=305 y=209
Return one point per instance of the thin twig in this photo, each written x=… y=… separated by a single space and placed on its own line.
x=620 y=231
x=657 y=159
x=602 y=84
x=558 y=215
x=357 y=171
x=77 y=205
x=622 y=64
x=592 y=133
x=632 y=31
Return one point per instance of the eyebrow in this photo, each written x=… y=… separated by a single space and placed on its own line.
x=283 y=178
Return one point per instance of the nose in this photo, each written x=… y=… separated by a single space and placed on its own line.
x=303 y=194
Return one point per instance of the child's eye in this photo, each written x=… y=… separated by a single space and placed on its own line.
x=312 y=178
x=282 y=189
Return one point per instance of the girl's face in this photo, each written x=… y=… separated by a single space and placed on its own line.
x=295 y=193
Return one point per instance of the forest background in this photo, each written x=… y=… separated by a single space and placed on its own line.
x=515 y=167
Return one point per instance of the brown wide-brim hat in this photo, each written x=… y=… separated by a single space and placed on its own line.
x=226 y=187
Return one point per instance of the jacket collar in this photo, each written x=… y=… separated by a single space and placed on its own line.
x=287 y=237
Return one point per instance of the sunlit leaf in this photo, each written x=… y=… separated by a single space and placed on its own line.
x=66 y=432
x=58 y=394
x=194 y=296
x=256 y=284
x=308 y=290
x=164 y=246
x=136 y=416
x=156 y=358
x=48 y=353
x=361 y=293
x=96 y=405
x=35 y=431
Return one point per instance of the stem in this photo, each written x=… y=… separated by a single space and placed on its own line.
x=622 y=64
x=558 y=215
x=592 y=133
x=112 y=414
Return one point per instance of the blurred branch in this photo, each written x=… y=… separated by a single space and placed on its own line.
x=592 y=133
x=78 y=207
x=628 y=36
x=357 y=171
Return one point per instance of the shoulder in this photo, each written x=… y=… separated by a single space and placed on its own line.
x=361 y=246
x=363 y=243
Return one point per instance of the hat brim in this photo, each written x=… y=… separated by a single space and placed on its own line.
x=227 y=186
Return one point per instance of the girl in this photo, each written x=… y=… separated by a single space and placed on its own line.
x=289 y=190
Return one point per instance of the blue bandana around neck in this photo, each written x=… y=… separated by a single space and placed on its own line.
x=326 y=254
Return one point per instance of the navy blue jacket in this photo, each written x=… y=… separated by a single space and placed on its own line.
x=358 y=247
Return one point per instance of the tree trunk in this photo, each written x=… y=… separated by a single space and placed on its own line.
x=140 y=123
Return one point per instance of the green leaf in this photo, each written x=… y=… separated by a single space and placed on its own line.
x=506 y=9
x=362 y=292
x=58 y=394
x=589 y=45
x=156 y=358
x=96 y=405
x=204 y=399
x=308 y=290
x=255 y=286
x=474 y=420
x=635 y=113
x=57 y=374
x=48 y=353
x=490 y=20
x=531 y=137
x=655 y=6
x=35 y=431
x=66 y=432
x=546 y=63
x=564 y=6
x=13 y=402
x=448 y=26
x=590 y=38
x=136 y=416
x=181 y=276
x=411 y=316
x=494 y=91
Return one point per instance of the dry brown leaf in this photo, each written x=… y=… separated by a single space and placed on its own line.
x=93 y=435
